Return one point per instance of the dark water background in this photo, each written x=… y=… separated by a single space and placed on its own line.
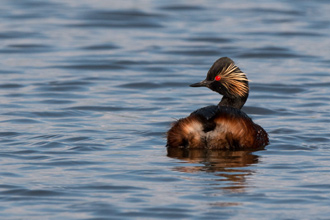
x=89 y=88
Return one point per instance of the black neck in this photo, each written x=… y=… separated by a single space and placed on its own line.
x=235 y=102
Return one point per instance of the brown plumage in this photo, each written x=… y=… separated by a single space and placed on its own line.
x=223 y=126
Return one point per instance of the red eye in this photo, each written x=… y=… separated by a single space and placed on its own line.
x=217 y=78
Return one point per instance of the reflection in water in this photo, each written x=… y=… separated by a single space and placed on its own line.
x=223 y=164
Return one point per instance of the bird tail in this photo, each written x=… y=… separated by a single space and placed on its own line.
x=186 y=133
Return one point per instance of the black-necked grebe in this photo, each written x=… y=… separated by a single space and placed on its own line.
x=222 y=126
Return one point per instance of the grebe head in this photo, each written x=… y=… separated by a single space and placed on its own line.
x=227 y=79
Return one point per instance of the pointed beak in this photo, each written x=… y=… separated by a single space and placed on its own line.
x=203 y=83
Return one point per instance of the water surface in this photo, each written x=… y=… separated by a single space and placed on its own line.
x=89 y=88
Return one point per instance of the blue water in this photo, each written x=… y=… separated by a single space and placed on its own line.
x=89 y=88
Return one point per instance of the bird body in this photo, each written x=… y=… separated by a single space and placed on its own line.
x=222 y=126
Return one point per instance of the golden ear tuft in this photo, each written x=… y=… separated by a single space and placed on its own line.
x=234 y=80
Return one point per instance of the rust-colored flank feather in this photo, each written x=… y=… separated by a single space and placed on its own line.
x=222 y=126
x=229 y=129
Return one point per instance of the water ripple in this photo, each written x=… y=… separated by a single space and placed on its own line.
x=120 y=19
x=89 y=89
